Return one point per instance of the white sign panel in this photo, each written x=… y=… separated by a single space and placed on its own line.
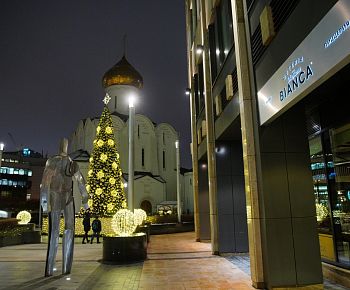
x=322 y=53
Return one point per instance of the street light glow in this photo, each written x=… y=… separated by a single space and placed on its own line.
x=2 y=145
x=131 y=100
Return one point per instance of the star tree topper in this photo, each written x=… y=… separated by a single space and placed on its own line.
x=106 y=99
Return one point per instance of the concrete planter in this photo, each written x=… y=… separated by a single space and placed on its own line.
x=123 y=250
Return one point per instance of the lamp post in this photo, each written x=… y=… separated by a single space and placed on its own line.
x=131 y=154
x=178 y=180
x=2 y=145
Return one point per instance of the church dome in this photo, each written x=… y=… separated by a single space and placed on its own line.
x=122 y=73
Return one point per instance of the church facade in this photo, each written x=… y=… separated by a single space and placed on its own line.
x=154 y=144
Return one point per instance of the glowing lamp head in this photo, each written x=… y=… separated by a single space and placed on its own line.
x=139 y=216
x=24 y=217
x=188 y=92
x=125 y=185
x=2 y=145
x=123 y=223
x=199 y=49
x=132 y=100
x=177 y=144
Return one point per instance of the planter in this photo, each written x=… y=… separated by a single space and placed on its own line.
x=10 y=241
x=122 y=250
x=144 y=229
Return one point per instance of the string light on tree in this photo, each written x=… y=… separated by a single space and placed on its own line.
x=105 y=175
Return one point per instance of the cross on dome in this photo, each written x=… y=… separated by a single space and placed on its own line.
x=106 y=99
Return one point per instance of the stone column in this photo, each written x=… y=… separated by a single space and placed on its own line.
x=283 y=243
x=248 y=142
x=209 y=116
x=194 y=149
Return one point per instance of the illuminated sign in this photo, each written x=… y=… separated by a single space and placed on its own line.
x=337 y=34
x=26 y=152
x=320 y=55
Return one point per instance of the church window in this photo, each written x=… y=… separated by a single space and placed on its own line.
x=143 y=157
x=163 y=159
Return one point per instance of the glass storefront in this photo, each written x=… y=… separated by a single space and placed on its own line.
x=330 y=165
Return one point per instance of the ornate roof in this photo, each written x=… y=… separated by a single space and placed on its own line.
x=122 y=73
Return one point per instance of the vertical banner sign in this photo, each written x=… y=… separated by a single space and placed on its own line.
x=319 y=56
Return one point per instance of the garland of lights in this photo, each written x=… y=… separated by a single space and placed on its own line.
x=123 y=223
x=321 y=212
x=139 y=216
x=24 y=217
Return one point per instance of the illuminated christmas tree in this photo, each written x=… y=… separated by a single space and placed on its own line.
x=104 y=182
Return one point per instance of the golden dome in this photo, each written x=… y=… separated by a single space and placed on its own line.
x=122 y=73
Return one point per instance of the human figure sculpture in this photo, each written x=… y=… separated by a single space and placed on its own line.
x=56 y=196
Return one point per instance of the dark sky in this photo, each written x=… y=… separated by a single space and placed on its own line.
x=53 y=55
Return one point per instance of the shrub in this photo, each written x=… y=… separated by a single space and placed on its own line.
x=8 y=223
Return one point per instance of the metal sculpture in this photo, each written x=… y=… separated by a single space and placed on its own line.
x=56 y=196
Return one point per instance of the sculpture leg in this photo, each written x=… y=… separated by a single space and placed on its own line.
x=54 y=233
x=68 y=238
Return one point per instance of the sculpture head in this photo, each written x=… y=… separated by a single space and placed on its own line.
x=63 y=147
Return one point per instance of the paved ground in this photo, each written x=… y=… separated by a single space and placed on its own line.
x=174 y=262
x=242 y=262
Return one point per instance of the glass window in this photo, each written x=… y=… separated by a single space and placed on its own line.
x=340 y=141
x=200 y=86
x=163 y=159
x=10 y=171
x=143 y=157
x=220 y=37
x=15 y=171
x=21 y=172
x=30 y=173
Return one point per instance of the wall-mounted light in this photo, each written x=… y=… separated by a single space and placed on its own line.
x=188 y=91
x=199 y=49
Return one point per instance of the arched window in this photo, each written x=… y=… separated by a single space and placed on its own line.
x=146 y=206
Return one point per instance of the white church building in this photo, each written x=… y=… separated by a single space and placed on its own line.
x=154 y=146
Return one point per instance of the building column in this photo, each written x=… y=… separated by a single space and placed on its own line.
x=283 y=244
x=194 y=149
x=248 y=143
x=209 y=117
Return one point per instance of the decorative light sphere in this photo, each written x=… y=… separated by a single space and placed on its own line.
x=123 y=223
x=24 y=217
x=139 y=216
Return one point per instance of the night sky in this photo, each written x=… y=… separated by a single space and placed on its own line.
x=53 y=55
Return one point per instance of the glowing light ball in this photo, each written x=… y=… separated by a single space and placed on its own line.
x=24 y=217
x=139 y=216
x=123 y=223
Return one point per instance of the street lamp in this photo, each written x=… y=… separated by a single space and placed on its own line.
x=131 y=153
x=2 y=145
x=188 y=92
x=178 y=180
x=199 y=49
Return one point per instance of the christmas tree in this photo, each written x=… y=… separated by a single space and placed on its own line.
x=104 y=182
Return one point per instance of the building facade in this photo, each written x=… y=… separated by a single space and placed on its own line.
x=154 y=144
x=269 y=134
x=20 y=178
